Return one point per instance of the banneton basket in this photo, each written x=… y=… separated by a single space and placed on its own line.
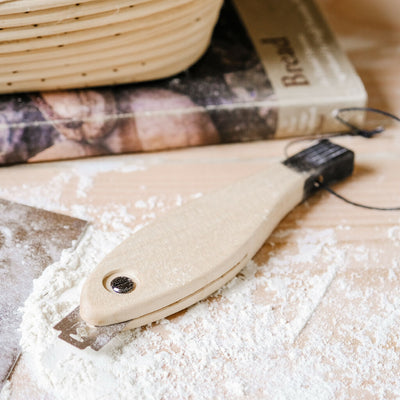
x=59 y=44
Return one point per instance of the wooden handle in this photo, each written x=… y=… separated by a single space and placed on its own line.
x=192 y=251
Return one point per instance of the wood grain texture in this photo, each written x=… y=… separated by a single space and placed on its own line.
x=184 y=173
x=369 y=32
x=197 y=247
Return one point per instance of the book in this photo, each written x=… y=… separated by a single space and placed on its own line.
x=273 y=70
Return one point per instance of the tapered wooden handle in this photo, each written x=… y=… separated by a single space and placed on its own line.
x=192 y=251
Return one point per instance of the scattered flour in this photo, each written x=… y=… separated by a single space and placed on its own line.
x=304 y=320
x=394 y=235
x=5 y=392
x=50 y=194
x=89 y=169
x=228 y=346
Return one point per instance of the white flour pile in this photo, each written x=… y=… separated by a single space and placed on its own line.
x=230 y=346
x=308 y=322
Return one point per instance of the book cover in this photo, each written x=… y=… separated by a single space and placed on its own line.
x=273 y=70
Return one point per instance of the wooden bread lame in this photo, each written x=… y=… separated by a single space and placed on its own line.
x=192 y=251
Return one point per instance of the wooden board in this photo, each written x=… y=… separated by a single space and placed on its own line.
x=370 y=34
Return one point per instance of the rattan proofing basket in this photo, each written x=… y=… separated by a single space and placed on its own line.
x=60 y=45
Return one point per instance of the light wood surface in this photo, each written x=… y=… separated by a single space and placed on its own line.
x=370 y=33
x=193 y=257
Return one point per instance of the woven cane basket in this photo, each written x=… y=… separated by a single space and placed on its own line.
x=59 y=44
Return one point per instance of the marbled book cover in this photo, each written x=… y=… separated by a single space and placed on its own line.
x=273 y=70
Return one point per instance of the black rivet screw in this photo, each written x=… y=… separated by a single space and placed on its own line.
x=122 y=285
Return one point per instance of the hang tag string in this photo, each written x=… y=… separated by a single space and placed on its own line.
x=354 y=131
x=353 y=203
x=357 y=131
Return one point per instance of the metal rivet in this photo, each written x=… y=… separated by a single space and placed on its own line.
x=122 y=285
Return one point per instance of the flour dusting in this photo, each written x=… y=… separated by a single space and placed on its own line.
x=311 y=317
x=5 y=392
x=228 y=346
